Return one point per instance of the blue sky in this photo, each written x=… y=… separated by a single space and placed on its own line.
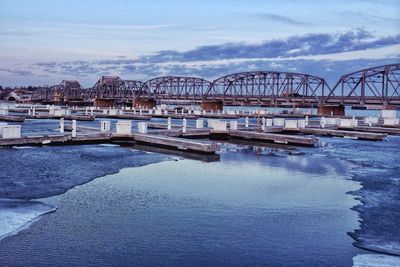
x=44 y=41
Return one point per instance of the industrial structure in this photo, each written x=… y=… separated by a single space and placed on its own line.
x=377 y=87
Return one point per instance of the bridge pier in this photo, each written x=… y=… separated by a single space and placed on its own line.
x=144 y=103
x=211 y=105
x=104 y=103
x=331 y=110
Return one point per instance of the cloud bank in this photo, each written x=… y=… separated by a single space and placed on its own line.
x=325 y=55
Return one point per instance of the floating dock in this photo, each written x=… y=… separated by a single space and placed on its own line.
x=275 y=138
x=340 y=133
x=148 y=139
x=179 y=143
x=12 y=118
x=282 y=129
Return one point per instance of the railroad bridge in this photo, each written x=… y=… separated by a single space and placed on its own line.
x=377 y=87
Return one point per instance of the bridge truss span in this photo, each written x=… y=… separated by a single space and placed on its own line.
x=270 y=87
x=177 y=87
x=373 y=86
x=113 y=87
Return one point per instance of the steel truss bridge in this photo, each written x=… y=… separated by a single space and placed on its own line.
x=377 y=86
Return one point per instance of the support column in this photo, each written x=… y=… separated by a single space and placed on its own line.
x=169 y=125
x=331 y=110
x=212 y=105
x=263 y=123
x=144 y=103
x=61 y=125
x=100 y=102
x=184 y=126
x=73 y=128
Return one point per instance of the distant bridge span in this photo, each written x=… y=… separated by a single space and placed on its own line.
x=378 y=86
x=269 y=87
x=373 y=86
x=177 y=87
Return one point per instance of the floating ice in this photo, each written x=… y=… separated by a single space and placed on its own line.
x=16 y=214
x=375 y=260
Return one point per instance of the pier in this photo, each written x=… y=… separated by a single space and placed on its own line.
x=188 y=130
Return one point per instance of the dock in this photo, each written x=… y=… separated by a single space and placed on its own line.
x=179 y=143
x=65 y=117
x=198 y=136
x=9 y=118
x=275 y=138
x=373 y=129
x=340 y=133
x=197 y=146
x=124 y=117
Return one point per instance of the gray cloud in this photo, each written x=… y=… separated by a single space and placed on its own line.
x=274 y=55
x=305 y=45
x=17 y=72
x=283 y=19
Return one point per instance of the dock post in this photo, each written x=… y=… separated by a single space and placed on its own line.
x=105 y=126
x=233 y=125
x=199 y=124
x=169 y=126
x=369 y=121
x=142 y=127
x=322 y=122
x=263 y=123
x=354 y=122
x=182 y=111
x=91 y=111
x=184 y=125
x=246 y=122
x=140 y=112
x=73 y=128
x=306 y=121
x=34 y=111
x=176 y=111
x=29 y=111
x=61 y=125
x=87 y=111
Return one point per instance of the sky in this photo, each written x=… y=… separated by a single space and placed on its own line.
x=43 y=42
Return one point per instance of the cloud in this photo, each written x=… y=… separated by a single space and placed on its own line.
x=16 y=72
x=325 y=55
x=305 y=45
x=115 y=26
x=283 y=19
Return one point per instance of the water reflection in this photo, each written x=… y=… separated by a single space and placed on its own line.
x=297 y=159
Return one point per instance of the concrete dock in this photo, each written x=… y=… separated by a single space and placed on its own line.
x=340 y=133
x=148 y=139
x=265 y=128
x=274 y=137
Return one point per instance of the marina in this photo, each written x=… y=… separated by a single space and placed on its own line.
x=199 y=133
x=300 y=130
